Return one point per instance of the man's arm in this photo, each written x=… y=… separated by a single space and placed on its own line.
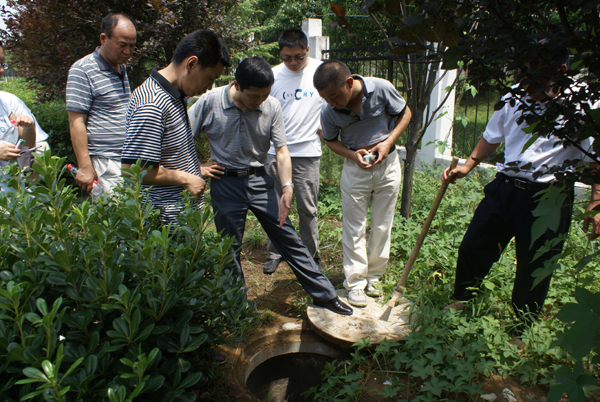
x=594 y=205
x=86 y=174
x=161 y=176
x=284 y=166
x=480 y=153
x=383 y=148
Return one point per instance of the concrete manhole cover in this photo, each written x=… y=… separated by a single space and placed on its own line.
x=366 y=322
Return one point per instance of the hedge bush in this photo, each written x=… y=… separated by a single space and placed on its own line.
x=98 y=302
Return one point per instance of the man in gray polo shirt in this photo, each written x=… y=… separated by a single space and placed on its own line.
x=241 y=120
x=98 y=93
x=368 y=115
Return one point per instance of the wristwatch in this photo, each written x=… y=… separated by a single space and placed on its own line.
x=287 y=184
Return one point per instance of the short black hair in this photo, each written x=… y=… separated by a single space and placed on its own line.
x=291 y=38
x=110 y=22
x=329 y=73
x=207 y=46
x=254 y=72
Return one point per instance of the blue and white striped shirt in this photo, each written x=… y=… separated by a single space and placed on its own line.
x=159 y=133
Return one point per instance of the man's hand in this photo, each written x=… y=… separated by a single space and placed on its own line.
x=360 y=161
x=594 y=219
x=23 y=120
x=457 y=173
x=285 y=203
x=195 y=185
x=212 y=170
x=8 y=151
x=320 y=132
x=382 y=149
x=85 y=177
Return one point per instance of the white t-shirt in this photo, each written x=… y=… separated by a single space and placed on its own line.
x=542 y=154
x=301 y=106
x=17 y=106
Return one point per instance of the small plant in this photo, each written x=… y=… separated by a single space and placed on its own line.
x=134 y=304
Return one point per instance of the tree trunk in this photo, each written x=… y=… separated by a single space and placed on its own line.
x=409 y=165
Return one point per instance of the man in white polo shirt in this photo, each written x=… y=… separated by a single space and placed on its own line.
x=98 y=93
x=301 y=106
x=506 y=210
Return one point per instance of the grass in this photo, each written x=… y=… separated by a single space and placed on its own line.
x=446 y=359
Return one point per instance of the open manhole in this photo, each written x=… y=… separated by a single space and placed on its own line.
x=280 y=366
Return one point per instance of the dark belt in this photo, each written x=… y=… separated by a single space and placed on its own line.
x=524 y=184
x=244 y=172
x=392 y=148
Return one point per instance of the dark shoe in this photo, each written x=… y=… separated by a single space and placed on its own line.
x=271 y=265
x=335 y=305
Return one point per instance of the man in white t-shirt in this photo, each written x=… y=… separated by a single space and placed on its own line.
x=301 y=106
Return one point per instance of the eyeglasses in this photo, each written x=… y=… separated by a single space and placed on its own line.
x=290 y=59
x=4 y=65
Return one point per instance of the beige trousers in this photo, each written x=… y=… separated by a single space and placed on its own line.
x=377 y=186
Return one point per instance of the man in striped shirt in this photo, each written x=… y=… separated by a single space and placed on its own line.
x=98 y=93
x=157 y=127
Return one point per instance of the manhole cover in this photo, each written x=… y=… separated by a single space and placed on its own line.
x=366 y=322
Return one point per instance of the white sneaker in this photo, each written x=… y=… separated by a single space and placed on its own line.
x=373 y=289
x=357 y=298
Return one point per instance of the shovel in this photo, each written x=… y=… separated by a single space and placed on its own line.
x=415 y=251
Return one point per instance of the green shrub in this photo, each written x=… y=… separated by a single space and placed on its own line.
x=98 y=302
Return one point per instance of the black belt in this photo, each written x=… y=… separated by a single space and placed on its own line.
x=392 y=148
x=524 y=184
x=244 y=172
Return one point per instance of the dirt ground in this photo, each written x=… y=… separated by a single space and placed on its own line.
x=283 y=297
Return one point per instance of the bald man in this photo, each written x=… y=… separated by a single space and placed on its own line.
x=98 y=93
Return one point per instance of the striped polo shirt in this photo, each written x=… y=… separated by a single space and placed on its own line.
x=96 y=89
x=159 y=133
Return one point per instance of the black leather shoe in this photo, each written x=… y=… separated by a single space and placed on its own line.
x=271 y=265
x=335 y=305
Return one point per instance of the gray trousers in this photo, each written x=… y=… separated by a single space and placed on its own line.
x=305 y=176
x=232 y=197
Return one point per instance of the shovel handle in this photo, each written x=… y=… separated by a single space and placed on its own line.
x=415 y=251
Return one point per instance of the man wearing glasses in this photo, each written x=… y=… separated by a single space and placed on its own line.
x=98 y=93
x=301 y=106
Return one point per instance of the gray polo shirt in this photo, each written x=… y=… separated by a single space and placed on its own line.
x=381 y=104
x=96 y=89
x=237 y=139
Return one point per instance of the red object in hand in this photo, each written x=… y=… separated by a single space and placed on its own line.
x=96 y=190
x=72 y=169
x=13 y=121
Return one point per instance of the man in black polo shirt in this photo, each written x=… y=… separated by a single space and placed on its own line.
x=158 y=129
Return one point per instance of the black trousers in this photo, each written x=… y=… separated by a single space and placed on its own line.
x=232 y=197
x=504 y=213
